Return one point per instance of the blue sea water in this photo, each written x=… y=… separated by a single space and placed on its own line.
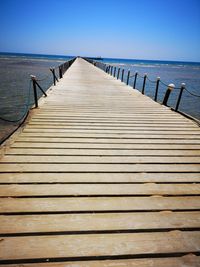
x=15 y=71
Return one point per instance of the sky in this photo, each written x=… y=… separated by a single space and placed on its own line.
x=139 y=29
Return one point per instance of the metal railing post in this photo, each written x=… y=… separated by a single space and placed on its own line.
x=60 y=72
x=114 y=71
x=40 y=88
x=167 y=94
x=118 y=73
x=144 y=83
x=54 y=76
x=111 y=72
x=33 y=78
x=135 y=80
x=157 y=86
x=180 y=95
x=128 y=75
x=122 y=77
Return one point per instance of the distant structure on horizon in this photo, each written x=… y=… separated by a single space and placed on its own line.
x=95 y=58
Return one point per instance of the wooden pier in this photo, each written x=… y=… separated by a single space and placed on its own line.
x=100 y=175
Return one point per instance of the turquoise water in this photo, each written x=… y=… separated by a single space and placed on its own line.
x=15 y=71
x=175 y=72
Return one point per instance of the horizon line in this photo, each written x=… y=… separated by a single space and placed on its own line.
x=167 y=60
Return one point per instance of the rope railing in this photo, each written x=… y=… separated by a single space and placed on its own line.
x=113 y=70
x=44 y=78
x=25 y=112
x=34 y=83
x=61 y=68
x=191 y=93
x=151 y=80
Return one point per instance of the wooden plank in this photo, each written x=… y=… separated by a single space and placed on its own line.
x=91 y=138
x=189 y=260
x=146 y=144
x=98 y=222
x=94 y=125
x=99 y=189
x=103 y=132
x=137 y=114
x=109 y=120
x=99 y=159
x=127 y=118
x=55 y=112
x=89 y=167
x=98 y=245
x=110 y=128
x=62 y=204
x=99 y=177
x=101 y=152
x=76 y=114
x=49 y=119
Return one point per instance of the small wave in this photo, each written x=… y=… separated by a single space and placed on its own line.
x=144 y=66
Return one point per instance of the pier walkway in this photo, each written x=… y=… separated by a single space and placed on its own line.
x=100 y=175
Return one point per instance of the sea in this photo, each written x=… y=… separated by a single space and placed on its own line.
x=16 y=94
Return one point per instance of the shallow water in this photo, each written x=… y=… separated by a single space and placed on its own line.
x=15 y=86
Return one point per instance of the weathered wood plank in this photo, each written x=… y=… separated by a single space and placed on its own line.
x=103 y=121
x=99 y=159
x=98 y=245
x=189 y=260
x=146 y=144
x=133 y=133
x=92 y=138
x=101 y=152
x=109 y=128
x=16 y=205
x=99 y=177
x=89 y=167
x=99 y=189
x=98 y=222
x=108 y=124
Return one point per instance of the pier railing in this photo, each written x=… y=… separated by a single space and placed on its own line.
x=131 y=79
x=57 y=73
x=37 y=88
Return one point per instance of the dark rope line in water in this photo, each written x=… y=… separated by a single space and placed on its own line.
x=139 y=75
x=42 y=79
x=167 y=85
x=163 y=83
x=191 y=93
x=151 y=80
x=27 y=105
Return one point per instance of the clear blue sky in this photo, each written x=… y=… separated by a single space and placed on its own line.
x=143 y=29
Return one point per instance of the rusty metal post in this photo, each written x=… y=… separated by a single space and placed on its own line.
x=167 y=94
x=157 y=86
x=122 y=78
x=180 y=95
x=33 y=78
x=128 y=75
x=135 y=80
x=144 y=83
x=118 y=73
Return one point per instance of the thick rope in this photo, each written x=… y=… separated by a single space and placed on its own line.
x=26 y=110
